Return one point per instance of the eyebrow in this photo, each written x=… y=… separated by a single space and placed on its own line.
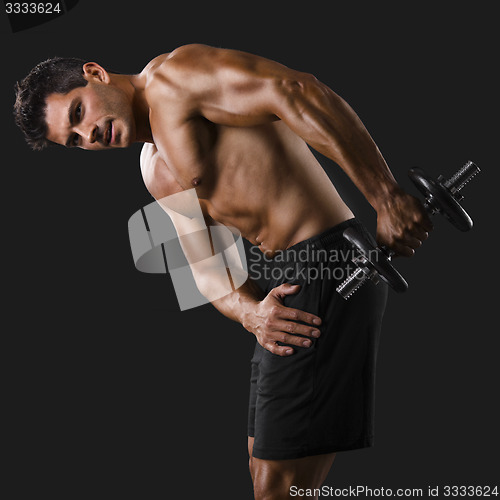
x=70 y=119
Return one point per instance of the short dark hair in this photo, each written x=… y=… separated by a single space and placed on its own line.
x=55 y=75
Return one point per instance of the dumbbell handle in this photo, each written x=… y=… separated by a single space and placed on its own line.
x=367 y=266
x=361 y=275
x=458 y=180
x=454 y=184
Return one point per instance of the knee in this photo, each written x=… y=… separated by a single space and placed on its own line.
x=278 y=479
x=268 y=484
x=263 y=491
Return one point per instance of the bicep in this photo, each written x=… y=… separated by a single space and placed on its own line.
x=192 y=225
x=210 y=253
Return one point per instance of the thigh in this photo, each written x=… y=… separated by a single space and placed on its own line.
x=250 y=446
x=320 y=400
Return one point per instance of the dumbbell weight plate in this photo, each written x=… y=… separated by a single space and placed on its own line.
x=377 y=259
x=441 y=198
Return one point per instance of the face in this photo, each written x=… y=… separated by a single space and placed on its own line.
x=97 y=116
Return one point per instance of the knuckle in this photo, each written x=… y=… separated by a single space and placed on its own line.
x=311 y=320
x=274 y=310
x=301 y=330
x=277 y=350
x=271 y=347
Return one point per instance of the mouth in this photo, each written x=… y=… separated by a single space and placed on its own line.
x=108 y=136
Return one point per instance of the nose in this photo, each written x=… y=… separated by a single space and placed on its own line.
x=88 y=132
x=93 y=134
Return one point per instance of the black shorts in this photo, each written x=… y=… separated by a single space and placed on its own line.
x=319 y=399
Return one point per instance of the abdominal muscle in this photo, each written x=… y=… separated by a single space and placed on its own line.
x=270 y=187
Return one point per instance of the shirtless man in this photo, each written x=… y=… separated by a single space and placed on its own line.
x=235 y=127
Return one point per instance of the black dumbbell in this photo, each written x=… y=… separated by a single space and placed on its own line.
x=441 y=196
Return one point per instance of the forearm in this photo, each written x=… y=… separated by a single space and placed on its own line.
x=239 y=305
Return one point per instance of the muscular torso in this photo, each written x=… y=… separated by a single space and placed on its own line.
x=261 y=179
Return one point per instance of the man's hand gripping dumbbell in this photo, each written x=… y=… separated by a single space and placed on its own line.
x=441 y=196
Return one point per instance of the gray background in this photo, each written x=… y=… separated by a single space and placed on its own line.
x=112 y=392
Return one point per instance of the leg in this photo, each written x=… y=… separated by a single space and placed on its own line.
x=306 y=407
x=250 y=450
x=273 y=479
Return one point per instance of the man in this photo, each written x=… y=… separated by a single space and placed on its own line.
x=235 y=127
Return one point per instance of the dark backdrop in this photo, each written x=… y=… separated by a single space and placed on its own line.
x=111 y=392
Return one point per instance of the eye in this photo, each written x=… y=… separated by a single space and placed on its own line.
x=78 y=111
x=75 y=140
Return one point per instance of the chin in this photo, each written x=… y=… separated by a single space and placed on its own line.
x=126 y=137
x=123 y=140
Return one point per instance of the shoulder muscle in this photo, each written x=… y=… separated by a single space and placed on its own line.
x=227 y=86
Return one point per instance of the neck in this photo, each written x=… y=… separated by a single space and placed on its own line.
x=134 y=88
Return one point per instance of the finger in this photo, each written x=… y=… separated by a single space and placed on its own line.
x=296 y=340
x=280 y=350
x=426 y=223
x=285 y=289
x=298 y=315
x=422 y=217
x=402 y=250
x=420 y=234
x=411 y=241
x=296 y=329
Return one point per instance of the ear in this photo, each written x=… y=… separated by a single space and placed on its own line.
x=93 y=71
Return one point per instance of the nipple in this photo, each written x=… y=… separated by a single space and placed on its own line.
x=196 y=181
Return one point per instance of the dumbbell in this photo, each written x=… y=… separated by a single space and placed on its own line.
x=442 y=196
